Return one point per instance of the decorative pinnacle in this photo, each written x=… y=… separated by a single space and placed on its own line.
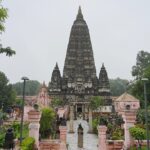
x=44 y=85
x=79 y=11
x=79 y=15
x=56 y=67
x=103 y=65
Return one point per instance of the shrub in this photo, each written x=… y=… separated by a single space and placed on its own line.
x=95 y=123
x=117 y=134
x=2 y=136
x=28 y=143
x=47 y=122
x=137 y=133
x=16 y=128
x=56 y=102
x=2 y=139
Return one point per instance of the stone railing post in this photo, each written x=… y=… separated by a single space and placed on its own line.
x=102 y=145
x=63 y=137
x=130 y=119
x=34 y=126
x=63 y=133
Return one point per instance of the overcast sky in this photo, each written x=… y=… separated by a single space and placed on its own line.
x=38 y=30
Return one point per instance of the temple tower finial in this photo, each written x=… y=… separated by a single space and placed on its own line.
x=103 y=65
x=56 y=66
x=79 y=11
x=44 y=85
x=79 y=15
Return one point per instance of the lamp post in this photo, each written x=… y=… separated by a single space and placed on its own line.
x=146 y=114
x=22 y=107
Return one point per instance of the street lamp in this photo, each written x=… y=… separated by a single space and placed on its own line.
x=22 y=107
x=146 y=113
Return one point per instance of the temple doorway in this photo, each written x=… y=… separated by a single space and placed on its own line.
x=79 y=108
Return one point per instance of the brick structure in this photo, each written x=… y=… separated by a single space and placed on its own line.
x=34 y=126
x=63 y=133
x=102 y=145
x=115 y=144
x=127 y=106
x=57 y=144
x=50 y=144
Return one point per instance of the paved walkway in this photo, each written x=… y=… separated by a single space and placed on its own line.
x=90 y=141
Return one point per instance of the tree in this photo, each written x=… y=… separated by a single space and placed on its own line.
x=3 y=16
x=96 y=102
x=141 y=70
x=140 y=117
x=142 y=62
x=47 y=122
x=138 y=134
x=118 y=86
x=28 y=143
x=56 y=102
x=32 y=87
x=137 y=90
x=7 y=94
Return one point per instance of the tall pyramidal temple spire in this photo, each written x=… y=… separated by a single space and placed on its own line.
x=79 y=81
x=55 y=83
x=79 y=62
x=103 y=78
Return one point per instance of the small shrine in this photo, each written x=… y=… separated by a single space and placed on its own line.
x=127 y=106
x=125 y=103
x=43 y=98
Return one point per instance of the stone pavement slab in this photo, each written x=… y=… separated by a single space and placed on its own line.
x=90 y=141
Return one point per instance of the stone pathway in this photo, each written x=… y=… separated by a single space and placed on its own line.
x=90 y=141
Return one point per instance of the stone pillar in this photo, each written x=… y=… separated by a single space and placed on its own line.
x=71 y=119
x=102 y=145
x=129 y=118
x=63 y=133
x=90 y=121
x=34 y=126
x=83 y=111
x=86 y=110
x=80 y=136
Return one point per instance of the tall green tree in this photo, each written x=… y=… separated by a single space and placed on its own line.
x=32 y=87
x=96 y=102
x=118 y=86
x=142 y=63
x=3 y=16
x=7 y=94
x=139 y=71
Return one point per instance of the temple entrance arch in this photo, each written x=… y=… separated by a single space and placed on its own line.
x=79 y=108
